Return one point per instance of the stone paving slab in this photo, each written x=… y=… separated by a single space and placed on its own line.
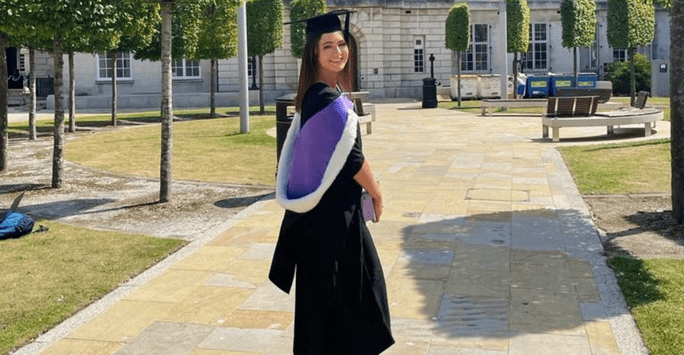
x=487 y=247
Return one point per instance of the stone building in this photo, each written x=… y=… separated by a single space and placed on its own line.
x=393 y=41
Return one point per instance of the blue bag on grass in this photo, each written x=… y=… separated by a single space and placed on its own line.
x=15 y=225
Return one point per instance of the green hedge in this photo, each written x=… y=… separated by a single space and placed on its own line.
x=618 y=73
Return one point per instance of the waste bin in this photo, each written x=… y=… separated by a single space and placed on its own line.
x=468 y=86
x=429 y=93
x=489 y=86
x=283 y=121
x=538 y=86
x=586 y=80
x=560 y=81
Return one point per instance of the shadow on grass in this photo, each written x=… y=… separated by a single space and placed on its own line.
x=638 y=285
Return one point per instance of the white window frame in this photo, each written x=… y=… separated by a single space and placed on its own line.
x=419 y=54
x=476 y=58
x=620 y=55
x=537 y=56
x=184 y=67
x=123 y=71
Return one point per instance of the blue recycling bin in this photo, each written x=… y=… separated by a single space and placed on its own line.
x=538 y=86
x=586 y=80
x=559 y=82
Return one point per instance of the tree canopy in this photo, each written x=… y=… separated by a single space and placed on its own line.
x=518 y=25
x=631 y=23
x=264 y=26
x=457 y=27
x=217 y=37
x=187 y=17
x=299 y=10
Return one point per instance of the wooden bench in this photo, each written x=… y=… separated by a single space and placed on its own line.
x=508 y=103
x=581 y=112
x=365 y=111
x=571 y=106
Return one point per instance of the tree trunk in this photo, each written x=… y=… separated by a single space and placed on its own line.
x=58 y=149
x=574 y=65
x=632 y=80
x=515 y=75
x=212 y=97
x=4 y=119
x=112 y=66
x=167 y=106
x=458 y=71
x=677 y=108
x=261 y=85
x=32 y=95
x=72 y=94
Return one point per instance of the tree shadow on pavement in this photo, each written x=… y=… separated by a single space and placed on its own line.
x=480 y=279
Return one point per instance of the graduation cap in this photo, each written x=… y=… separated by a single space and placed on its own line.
x=326 y=23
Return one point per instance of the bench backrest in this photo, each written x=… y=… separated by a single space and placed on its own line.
x=641 y=99
x=572 y=106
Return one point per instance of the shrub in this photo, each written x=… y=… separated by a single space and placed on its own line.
x=618 y=73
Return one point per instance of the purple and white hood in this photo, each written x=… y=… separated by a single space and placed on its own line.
x=314 y=155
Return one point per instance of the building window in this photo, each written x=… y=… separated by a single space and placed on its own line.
x=619 y=55
x=123 y=66
x=536 y=57
x=185 y=69
x=476 y=57
x=22 y=63
x=419 y=55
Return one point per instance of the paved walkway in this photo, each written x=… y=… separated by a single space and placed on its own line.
x=486 y=244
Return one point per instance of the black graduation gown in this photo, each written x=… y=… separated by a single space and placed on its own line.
x=341 y=298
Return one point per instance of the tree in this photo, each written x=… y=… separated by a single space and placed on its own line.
x=457 y=30
x=578 y=18
x=631 y=23
x=264 y=34
x=217 y=38
x=10 y=21
x=167 y=106
x=518 y=33
x=135 y=22
x=299 y=10
x=177 y=38
x=677 y=108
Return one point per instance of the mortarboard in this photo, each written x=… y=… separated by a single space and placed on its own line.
x=326 y=23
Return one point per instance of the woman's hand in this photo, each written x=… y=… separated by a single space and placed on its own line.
x=377 y=206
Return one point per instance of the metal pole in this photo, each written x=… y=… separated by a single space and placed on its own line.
x=242 y=68
x=504 y=50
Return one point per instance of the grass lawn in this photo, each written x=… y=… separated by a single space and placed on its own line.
x=47 y=277
x=640 y=167
x=203 y=149
x=654 y=290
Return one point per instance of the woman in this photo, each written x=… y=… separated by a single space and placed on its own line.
x=341 y=300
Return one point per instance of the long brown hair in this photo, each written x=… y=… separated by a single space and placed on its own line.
x=308 y=73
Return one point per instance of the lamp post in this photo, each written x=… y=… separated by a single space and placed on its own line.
x=432 y=65
x=254 y=69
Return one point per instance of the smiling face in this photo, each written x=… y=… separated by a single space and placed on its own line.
x=333 y=53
